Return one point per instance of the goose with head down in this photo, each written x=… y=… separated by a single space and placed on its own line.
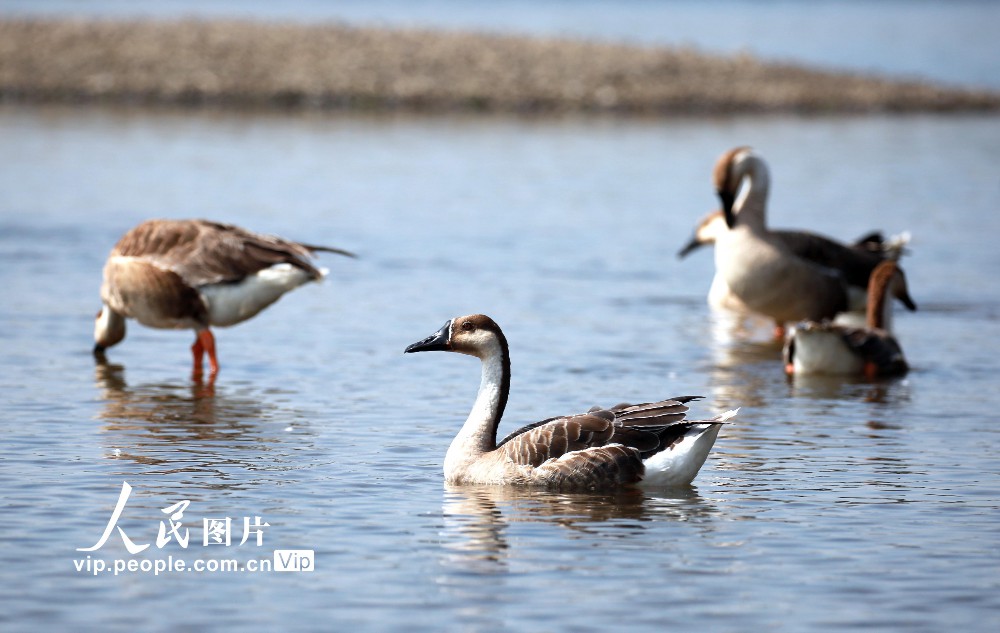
x=788 y=276
x=648 y=444
x=193 y=274
x=834 y=349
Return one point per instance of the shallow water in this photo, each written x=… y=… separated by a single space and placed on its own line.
x=828 y=503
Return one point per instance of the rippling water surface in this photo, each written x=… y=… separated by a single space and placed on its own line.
x=827 y=503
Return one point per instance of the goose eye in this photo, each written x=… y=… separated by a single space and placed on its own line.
x=468 y=326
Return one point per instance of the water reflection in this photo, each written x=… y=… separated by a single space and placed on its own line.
x=880 y=391
x=191 y=428
x=733 y=326
x=477 y=519
x=746 y=359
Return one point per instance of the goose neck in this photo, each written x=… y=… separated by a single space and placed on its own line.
x=479 y=433
x=751 y=203
x=879 y=310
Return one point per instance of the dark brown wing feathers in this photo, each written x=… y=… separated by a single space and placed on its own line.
x=203 y=252
x=640 y=439
x=602 y=467
x=878 y=347
x=312 y=248
x=643 y=429
x=654 y=413
x=855 y=263
x=539 y=443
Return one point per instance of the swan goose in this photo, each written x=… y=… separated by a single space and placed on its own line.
x=835 y=349
x=650 y=444
x=193 y=274
x=864 y=254
x=786 y=276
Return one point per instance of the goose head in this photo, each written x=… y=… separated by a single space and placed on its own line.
x=476 y=335
x=730 y=170
x=707 y=231
x=109 y=329
x=898 y=288
x=886 y=281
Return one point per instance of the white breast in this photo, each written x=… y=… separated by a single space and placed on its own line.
x=721 y=297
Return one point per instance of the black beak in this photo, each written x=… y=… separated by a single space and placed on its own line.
x=905 y=299
x=728 y=199
x=693 y=245
x=436 y=342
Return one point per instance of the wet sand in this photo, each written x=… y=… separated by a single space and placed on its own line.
x=240 y=64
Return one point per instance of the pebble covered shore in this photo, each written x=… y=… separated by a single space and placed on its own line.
x=241 y=64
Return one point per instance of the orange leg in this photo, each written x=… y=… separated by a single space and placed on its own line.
x=204 y=343
x=779 y=331
x=870 y=370
x=789 y=369
x=197 y=350
x=208 y=342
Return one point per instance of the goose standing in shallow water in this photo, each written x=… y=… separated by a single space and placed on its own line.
x=603 y=448
x=193 y=274
x=872 y=351
x=856 y=261
x=780 y=280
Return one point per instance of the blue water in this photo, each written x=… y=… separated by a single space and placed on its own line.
x=828 y=504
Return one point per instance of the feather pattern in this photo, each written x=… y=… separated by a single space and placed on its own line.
x=645 y=428
x=202 y=252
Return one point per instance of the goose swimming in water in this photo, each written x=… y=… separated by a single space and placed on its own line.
x=833 y=349
x=785 y=280
x=193 y=274
x=652 y=444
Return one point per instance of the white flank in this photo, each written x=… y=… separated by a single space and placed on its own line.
x=679 y=465
x=822 y=351
x=721 y=297
x=229 y=304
